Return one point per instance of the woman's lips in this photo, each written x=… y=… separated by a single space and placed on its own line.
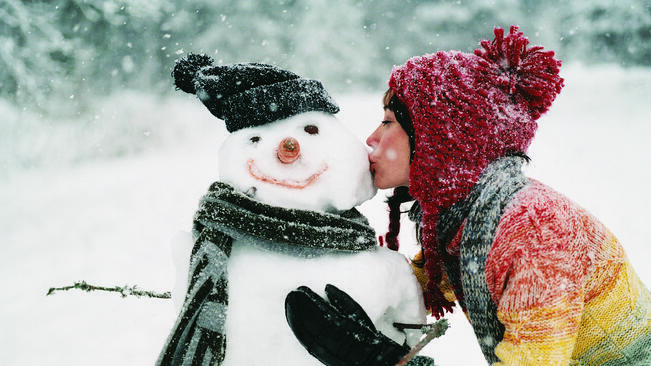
x=371 y=164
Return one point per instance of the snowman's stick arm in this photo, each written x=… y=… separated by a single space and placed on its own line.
x=122 y=290
x=435 y=330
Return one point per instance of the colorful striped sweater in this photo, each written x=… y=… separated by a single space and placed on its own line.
x=563 y=287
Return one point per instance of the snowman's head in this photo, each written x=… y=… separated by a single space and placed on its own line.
x=286 y=148
x=309 y=161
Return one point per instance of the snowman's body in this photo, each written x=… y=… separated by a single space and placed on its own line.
x=326 y=171
x=259 y=280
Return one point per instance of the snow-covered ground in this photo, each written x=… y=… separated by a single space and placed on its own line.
x=109 y=221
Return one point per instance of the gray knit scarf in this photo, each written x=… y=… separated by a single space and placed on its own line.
x=481 y=210
x=198 y=336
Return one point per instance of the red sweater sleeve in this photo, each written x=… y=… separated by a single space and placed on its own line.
x=536 y=273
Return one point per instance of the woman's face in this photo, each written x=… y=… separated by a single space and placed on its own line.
x=389 y=156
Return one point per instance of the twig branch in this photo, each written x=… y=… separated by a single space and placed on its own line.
x=433 y=331
x=124 y=291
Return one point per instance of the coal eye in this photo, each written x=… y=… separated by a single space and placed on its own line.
x=254 y=139
x=311 y=129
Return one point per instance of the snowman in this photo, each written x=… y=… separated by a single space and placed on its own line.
x=281 y=216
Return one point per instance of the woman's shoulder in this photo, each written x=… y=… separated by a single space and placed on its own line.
x=541 y=232
x=539 y=205
x=541 y=224
x=538 y=194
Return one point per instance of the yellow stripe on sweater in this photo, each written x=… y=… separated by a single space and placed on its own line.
x=617 y=323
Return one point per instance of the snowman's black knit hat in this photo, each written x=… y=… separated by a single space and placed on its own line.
x=249 y=94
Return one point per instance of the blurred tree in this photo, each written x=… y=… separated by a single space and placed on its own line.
x=35 y=57
x=118 y=42
x=80 y=49
x=605 y=31
x=242 y=30
x=74 y=48
x=458 y=25
x=335 y=48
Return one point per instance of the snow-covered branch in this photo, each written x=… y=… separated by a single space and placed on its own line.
x=124 y=291
x=431 y=331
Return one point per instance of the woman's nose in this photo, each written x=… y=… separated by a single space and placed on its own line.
x=288 y=150
x=371 y=140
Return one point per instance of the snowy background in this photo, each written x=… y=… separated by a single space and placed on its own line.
x=102 y=162
x=110 y=221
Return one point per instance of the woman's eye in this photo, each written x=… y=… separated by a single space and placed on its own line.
x=311 y=129
x=386 y=122
x=254 y=139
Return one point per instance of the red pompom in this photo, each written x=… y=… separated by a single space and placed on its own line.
x=529 y=73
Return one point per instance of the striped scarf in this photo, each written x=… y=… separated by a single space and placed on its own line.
x=481 y=210
x=198 y=336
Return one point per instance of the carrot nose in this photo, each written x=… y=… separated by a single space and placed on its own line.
x=288 y=150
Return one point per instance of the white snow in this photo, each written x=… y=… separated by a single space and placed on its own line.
x=259 y=279
x=109 y=222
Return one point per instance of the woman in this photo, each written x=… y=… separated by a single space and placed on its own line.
x=541 y=280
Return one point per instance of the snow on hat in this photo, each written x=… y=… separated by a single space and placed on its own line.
x=249 y=94
x=469 y=110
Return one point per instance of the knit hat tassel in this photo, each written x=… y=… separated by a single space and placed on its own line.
x=435 y=300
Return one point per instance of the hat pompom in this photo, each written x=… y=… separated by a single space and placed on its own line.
x=186 y=69
x=530 y=73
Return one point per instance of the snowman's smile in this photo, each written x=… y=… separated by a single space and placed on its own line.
x=288 y=183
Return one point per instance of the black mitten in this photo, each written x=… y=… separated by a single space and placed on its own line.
x=338 y=332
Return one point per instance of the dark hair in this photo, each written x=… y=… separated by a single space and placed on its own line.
x=394 y=104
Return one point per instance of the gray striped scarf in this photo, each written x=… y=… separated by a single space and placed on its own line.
x=198 y=336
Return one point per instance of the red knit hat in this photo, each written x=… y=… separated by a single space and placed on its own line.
x=469 y=110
